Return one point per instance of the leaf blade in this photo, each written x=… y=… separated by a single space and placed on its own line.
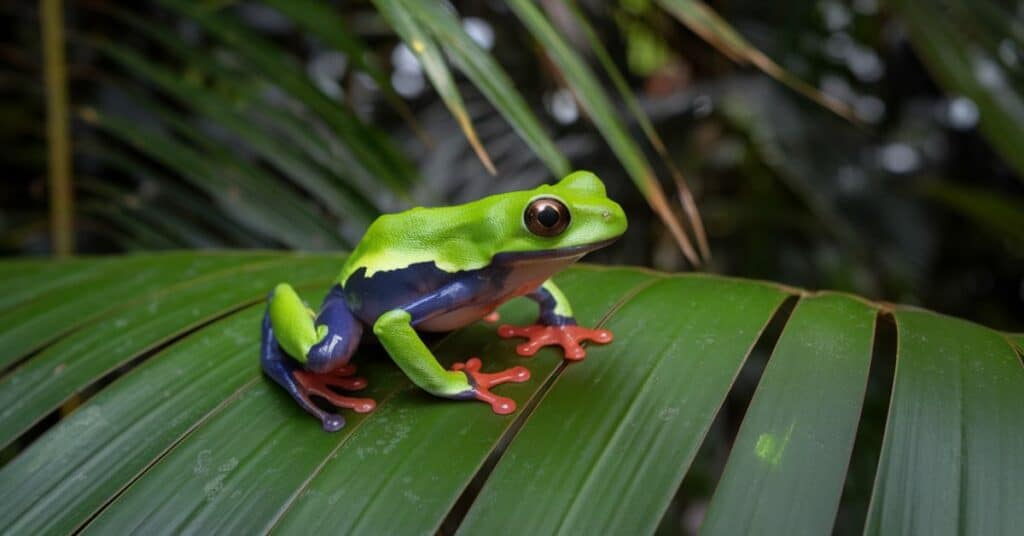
x=123 y=429
x=37 y=387
x=711 y=27
x=797 y=435
x=370 y=146
x=602 y=112
x=587 y=453
x=43 y=320
x=485 y=73
x=633 y=104
x=950 y=460
x=957 y=54
x=367 y=501
x=432 y=60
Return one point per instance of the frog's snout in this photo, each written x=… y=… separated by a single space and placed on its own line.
x=614 y=218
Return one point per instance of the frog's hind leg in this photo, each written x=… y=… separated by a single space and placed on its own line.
x=555 y=326
x=308 y=355
x=465 y=380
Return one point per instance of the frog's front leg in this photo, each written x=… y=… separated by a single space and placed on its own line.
x=465 y=381
x=321 y=346
x=556 y=325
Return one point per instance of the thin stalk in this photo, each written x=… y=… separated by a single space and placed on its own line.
x=51 y=15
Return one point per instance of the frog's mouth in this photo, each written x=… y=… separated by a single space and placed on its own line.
x=511 y=257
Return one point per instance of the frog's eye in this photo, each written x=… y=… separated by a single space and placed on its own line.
x=546 y=216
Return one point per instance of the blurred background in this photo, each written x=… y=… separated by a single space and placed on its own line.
x=870 y=146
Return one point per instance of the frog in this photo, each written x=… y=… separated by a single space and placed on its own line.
x=438 y=269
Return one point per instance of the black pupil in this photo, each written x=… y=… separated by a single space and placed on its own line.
x=548 y=216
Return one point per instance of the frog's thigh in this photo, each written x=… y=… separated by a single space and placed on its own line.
x=341 y=333
x=322 y=344
x=292 y=322
x=395 y=332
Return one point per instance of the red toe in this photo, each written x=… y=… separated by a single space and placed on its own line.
x=482 y=383
x=568 y=337
x=321 y=384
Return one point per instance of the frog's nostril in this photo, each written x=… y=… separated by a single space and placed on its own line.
x=606 y=215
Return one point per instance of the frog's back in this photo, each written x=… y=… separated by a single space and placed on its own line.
x=453 y=238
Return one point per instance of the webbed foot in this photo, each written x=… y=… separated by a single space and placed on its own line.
x=482 y=383
x=567 y=336
x=311 y=383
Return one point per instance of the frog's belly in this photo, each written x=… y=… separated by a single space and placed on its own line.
x=456 y=319
x=506 y=278
x=519 y=280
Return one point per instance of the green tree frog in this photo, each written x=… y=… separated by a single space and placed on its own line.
x=438 y=269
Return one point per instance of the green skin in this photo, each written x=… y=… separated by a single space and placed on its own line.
x=457 y=239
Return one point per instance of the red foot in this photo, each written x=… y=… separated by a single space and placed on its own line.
x=568 y=337
x=482 y=383
x=320 y=385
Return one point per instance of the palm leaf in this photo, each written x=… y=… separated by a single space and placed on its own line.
x=336 y=196
x=167 y=197
x=1000 y=214
x=603 y=113
x=247 y=192
x=960 y=43
x=320 y=20
x=711 y=27
x=432 y=59
x=191 y=437
x=371 y=147
x=633 y=104
x=242 y=93
x=485 y=73
x=122 y=206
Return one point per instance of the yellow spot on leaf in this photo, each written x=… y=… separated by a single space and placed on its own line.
x=769 y=448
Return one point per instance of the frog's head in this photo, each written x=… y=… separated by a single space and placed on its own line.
x=568 y=219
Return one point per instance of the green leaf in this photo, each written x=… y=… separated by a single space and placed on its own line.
x=129 y=333
x=344 y=495
x=604 y=421
x=951 y=460
x=996 y=212
x=243 y=190
x=121 y=431
x=25 y=280
x=54 y=313
x=1018 y=341
x=370 y=146
x=602 y=112
x=485 y=73
x=320 y=20
x=177 y=429
x=245 y=89
x=711 y=27
x=116 y=203
x=175 y=198
x=798 y=432
x=627 y=94
x=106 y=209
x=432 y=60
x=335 y=195
x=959 y=42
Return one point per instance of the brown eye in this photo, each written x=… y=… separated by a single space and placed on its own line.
x=546 y=217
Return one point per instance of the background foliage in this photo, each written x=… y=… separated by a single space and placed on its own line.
x=881 y=159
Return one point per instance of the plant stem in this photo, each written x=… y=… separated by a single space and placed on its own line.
x=51 y=15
